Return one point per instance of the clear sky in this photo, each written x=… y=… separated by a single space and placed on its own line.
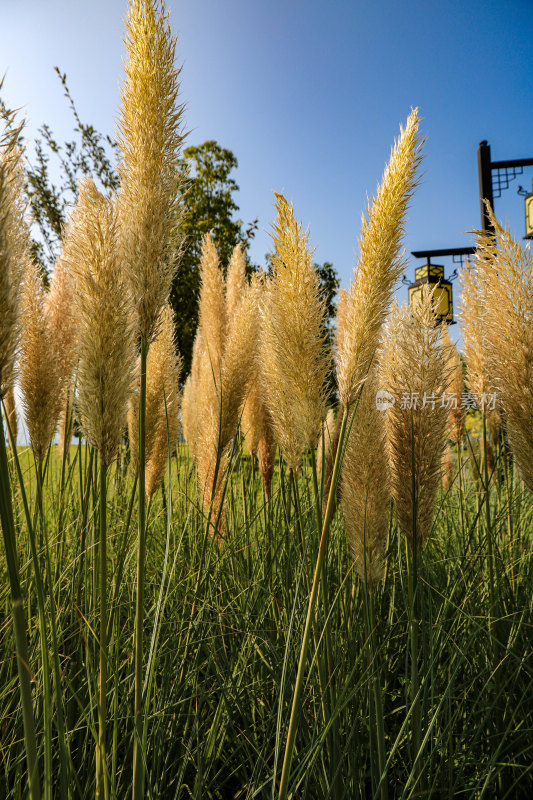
x=309 y=96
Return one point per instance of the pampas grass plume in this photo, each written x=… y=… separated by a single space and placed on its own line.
x=505 y=272
x=39 y=368
x=11 y=414
x=413 y=364
x=292 y=349
x=14 y=243
x=235 y=281
x=150 y=137
x=379 y=264
x=365 y=489
x=105 y=347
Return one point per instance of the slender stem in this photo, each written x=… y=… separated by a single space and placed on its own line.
x=47 y=703
x=138 y=758
x=412 y=566
x=289 y=747
x=378 y=701
x=488 y=523
x=101 y=772
x=63 y=749
x=19 y=619
x=338 y=789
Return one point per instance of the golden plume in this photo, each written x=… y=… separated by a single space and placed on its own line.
x=150 y=137
x=14 y=249
x=60 y=310
x=325 y=442
x=454 y=369
x=456 y=410
x=266 y=455
x=239 y=359
x=505 y=272
x=11 y=414
x=212 y=318
x=292 y=349
x=413 y=370
x=379 y=264
x=39 y=369
x=342 y=307
x=365 y=489
x=235 y=280
x=189 y=402
x=223 y=360
x=102 y=307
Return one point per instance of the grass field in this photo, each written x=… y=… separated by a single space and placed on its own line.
x=223 y=628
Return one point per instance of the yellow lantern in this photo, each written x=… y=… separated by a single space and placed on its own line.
x=529 y=216
x=429 y=275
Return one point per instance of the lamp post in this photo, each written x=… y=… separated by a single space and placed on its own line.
x=491 y=185
x=432 y=275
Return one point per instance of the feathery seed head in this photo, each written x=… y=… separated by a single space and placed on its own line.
x=413 y=363
x=14 y=250
x=11 y=414
x=379 y=264
x=212 y=307
x=325 y=442
x=505 y=272
x=162 y=400
x=365 y=489
x=150 y=138
x=454 y=367
x=292 y=348
x=236 y=280
x=102 y=305
x=239 y=359
x=39 y=368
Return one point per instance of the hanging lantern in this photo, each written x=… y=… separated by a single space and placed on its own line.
x=529 y=216
x=432 y=275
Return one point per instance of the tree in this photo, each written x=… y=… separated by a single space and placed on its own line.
x=86 y=155
x=209 y=206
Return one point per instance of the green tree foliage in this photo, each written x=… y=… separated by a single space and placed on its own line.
x=53 y=174
x=330 y=283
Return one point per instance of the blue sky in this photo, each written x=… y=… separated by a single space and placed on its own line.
x=309 y=96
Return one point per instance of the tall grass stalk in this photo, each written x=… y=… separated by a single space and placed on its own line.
x=101 y=762
x=296 y=700
x=19 y=618
x=63 y=747
x=138 y=754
